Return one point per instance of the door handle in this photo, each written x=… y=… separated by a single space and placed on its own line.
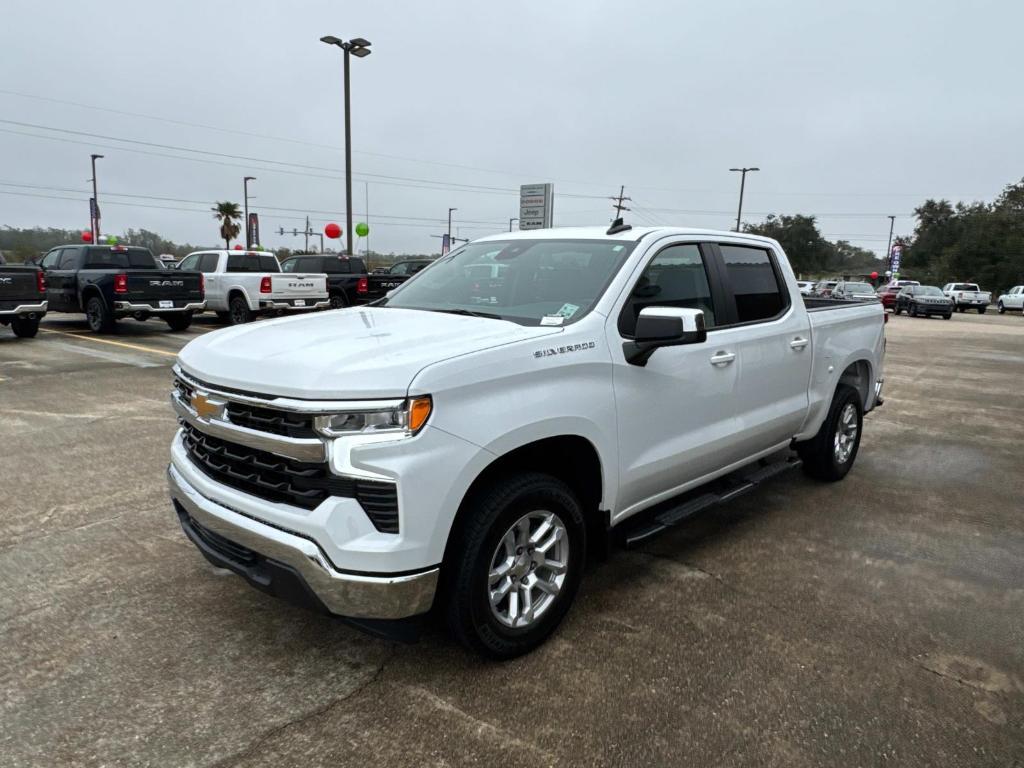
x=722 y=358
x=798 y=343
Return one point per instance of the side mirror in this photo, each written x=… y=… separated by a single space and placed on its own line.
x=664 y=327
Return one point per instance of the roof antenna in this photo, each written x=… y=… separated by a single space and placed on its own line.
x=617 y=204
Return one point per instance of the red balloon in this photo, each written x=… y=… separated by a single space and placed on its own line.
x=239 y=248
x=86 y=236
x=874 y=275
x=333 y=231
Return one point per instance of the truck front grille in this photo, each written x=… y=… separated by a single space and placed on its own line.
x=286 y=481
x=273 y=421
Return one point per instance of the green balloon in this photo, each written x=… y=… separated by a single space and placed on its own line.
x=362 y=229
x=112 y=239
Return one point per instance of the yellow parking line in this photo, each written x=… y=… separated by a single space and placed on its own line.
x=138 y=347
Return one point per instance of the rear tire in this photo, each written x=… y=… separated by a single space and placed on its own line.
x=494 y=538
x=897 y=309
x=239 y=311
x=830 y=454
x=946 y=317
x=960 y=309
x=338 y=301
x=981 y=310
x=224 y=317
x=1000 y=308
x=179 y=321
x=100 y=319
x=25 y=327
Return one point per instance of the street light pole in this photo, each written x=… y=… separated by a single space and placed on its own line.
x=888 y=246
x=510 y=223
x=245 y=188
x=743 y=183
x=360 y=48
x=450 y=225
x=95 y=213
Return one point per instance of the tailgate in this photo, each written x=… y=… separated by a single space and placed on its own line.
x=18 y=285
x=377 y=286
x=153 y=286
x=287 y=285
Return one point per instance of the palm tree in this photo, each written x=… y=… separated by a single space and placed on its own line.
x=228 y=215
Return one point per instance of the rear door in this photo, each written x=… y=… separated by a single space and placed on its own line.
x=770 y=337
x=65 y=280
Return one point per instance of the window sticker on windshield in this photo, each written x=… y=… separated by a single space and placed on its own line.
x=552 y=320
x=567 y=310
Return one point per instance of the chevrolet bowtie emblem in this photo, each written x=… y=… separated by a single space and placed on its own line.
x=206 y=408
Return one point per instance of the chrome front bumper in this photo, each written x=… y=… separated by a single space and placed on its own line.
x=25 y=309
x=352 y=595
x=127 y=306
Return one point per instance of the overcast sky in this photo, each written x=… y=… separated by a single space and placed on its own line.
x=852 y=111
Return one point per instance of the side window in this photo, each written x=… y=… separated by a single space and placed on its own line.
x=357 y=266
x=52 y=259
x=236 y=262
x=68 y=258
x=267 y=263
x=755 y=285
x=332 y=266
x=676 y=277
x=290 y=265
x=189 y=262
x=399 y=269
x=208 y=262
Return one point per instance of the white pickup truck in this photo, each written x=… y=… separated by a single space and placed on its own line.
x=243 y=284
x=967 y=296
x=467 y=445
x=1012 y=299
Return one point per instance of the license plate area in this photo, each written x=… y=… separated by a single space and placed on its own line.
x=166 y=304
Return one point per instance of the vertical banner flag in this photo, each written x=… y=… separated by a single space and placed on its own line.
x=894 y=259
x=254 y=229
x=445 y=244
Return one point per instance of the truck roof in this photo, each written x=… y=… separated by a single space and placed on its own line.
x=629 y=235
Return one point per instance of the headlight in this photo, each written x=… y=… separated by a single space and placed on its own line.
x=405 y=418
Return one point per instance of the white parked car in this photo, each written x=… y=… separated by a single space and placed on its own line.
x=243 y=284
x=472 y=442
x=967 y=296
x=806 y=287
x=1012 y=299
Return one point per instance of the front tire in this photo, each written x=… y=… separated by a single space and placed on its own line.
x=830 y=454
x=338 y=301
x=516 y=565
x=981 y=310
x=239 y=311
x=897 y=309
x=25 y=327
x=1000 y=308
x=947 y=316
x=100 y=319
x=913 y=310
x=179 y=321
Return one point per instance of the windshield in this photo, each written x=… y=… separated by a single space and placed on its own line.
x=858 y=288
x=530 y=282
x=927 y=290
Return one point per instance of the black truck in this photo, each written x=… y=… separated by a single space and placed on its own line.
x=380 y=283
x=108 y=282
x=347 y=280
x=22 y=298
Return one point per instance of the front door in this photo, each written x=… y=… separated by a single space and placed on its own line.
x=675 y=415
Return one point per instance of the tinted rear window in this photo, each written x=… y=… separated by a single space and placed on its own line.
x=251 y=262
x=132 y=258
x=755 y=285
x=965 y=287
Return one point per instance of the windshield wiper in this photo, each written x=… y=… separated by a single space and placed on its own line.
x=468 y=313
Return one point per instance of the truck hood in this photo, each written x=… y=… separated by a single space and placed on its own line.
x=355 y=353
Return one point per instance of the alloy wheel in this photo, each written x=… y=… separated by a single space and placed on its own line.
x=528 y=569
x=846 y=434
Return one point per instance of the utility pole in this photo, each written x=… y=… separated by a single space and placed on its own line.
x=888 y=246
x=94 y=214
x=245 y=194
x=359 y=48
x=743 y=184
x=306 y=233
x=450 y=224
x=617 y=202
x=367 y=189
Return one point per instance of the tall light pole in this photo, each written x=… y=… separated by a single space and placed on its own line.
x=245 y=192
x=94 y=214
x=450 y=226
x=743 y=184
x=510 y=223
x=888 y=246
x=360 y=48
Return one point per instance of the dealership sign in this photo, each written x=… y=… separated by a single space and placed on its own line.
x=536 y=206
x=894 y=258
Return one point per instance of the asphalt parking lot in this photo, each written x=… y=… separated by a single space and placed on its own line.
x=878 y=621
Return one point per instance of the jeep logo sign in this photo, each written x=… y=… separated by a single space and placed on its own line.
x=167 y=283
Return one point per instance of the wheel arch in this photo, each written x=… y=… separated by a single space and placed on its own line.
x=87 y=292
x=571 y=458
x=858 y=374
